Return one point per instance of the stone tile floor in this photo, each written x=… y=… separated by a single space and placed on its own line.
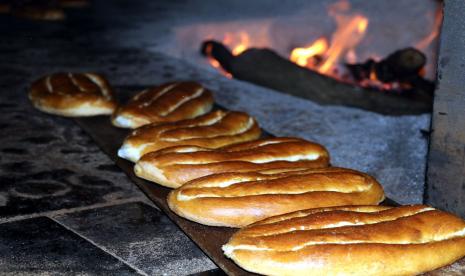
x=42 y=246
x=140 y=235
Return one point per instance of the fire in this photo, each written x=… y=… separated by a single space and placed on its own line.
x=325 y=54
x=214 y=63
x=302 y=56
x=349 y=33
x=238 y=42
x=425 y=42
x=320 y=55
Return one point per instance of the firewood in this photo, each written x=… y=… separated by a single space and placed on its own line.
x=266 y=68
x=403 y=66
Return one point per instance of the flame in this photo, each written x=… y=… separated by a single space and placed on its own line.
x=238 y=42
x=349 y=33
x=426 y=41
x=243 y=44
x=373 y=76
x=302 y=56
x=351 y=28
x=351 y=56
x=325 y=54
x=347 y=36
x=214 y=63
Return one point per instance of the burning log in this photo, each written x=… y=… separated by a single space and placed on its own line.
x=403 y=66
x=266 y=68
x=399 y=65
x=219 y=52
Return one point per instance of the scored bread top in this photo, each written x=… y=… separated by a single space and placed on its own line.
x=165 y=103
x=238 y=199
x=73 y=94
x=175 y=166
x=368 y=240
x=212 y=130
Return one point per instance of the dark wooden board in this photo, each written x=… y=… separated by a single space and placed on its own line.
x=209 y=239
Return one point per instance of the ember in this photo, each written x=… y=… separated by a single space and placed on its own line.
x=309 y=56
x=403 y=68
x=208 y=52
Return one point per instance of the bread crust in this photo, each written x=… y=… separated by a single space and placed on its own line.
x=212 y=130
x=73 y=95
x=168 y=102
x=174 y=166
x=350 y=240
x=238 y=199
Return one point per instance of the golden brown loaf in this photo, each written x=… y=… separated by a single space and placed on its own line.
x=169 y=102
x=174 y=166
x=73 y=95
x=351 y=240
x=238 y=199
x=212 y=130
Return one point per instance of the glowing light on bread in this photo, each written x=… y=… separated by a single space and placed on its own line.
x=212 y=130
x=174 y=166
x=73 y=95
x=169 y=102
x=238 y=199
x=350 y=240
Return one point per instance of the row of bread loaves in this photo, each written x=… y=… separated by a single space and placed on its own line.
x=299 y=216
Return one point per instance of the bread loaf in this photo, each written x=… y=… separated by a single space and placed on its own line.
x=169 y=102
x=174 y=166
x=212 y=130
x=73 y=95
x=351 y=240
x=238 y=199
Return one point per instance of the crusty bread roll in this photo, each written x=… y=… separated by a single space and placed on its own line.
x=238 y=199
x=212 y=130
x=169 y=102
x=73 y=95
x=174 y=166
x=351 y=240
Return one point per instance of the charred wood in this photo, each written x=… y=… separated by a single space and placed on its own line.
x=403 y=66
x=218 y=51
x=266 y=68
